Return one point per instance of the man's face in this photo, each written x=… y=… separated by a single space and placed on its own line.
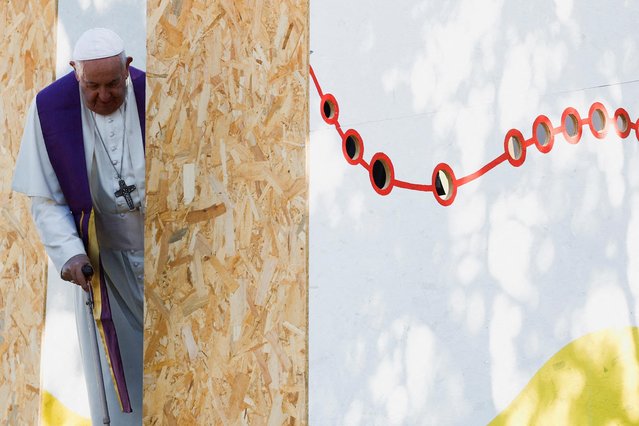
x=103 y=83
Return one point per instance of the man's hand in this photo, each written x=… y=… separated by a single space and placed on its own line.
x=72 y=271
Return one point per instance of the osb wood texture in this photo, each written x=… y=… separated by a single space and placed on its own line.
x=27 y=65
x=226 y=228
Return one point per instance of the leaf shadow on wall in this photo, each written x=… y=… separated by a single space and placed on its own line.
x=427 y=315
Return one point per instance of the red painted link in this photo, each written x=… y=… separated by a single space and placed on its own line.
x=515 y=146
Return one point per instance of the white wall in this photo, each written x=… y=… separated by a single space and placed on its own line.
x=126 y=17
x=423 y=314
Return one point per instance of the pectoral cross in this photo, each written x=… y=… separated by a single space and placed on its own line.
x=125 y=191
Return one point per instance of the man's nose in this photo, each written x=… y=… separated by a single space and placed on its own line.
x=104 y=94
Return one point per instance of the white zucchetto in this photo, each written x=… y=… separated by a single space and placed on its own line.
x=97 y=43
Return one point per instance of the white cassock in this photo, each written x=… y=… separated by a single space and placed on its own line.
x=120 y=236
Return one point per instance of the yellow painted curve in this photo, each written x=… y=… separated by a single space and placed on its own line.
x=593 y=380
x=55 y=413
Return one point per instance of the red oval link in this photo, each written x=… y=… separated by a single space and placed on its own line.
x=598 y=106
x=390 y=178
x=453 y=184
x=360 y=144
x=626 y=118
x=517 y=135
x=334 y=107
x=572 y=139
x=544 y=121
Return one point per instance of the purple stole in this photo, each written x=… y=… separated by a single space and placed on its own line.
x=61 y=121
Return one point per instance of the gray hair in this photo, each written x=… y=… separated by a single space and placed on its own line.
x=80 y=64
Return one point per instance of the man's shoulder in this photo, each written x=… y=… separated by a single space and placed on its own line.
x=68 y=81
x=136 y=73
x=62 y=91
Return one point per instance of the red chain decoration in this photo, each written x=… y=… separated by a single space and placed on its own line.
x=444 y=183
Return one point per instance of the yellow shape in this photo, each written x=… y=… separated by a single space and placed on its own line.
x=591 y=381
x=55 y=413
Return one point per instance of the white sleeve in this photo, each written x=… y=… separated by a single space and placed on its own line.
x=57 y=230
x=35 y=177
x=34 y=174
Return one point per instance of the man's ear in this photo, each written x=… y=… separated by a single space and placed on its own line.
x=128 y=61
x=75 y=68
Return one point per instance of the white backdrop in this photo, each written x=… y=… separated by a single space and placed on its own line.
x=423 y=314
x=125 y=17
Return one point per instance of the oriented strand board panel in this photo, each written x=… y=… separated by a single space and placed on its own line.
x=27 y=64
x=226 y=231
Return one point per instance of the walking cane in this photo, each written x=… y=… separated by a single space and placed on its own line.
x=87 y=270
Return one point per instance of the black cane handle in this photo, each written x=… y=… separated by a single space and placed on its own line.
x=87 y=270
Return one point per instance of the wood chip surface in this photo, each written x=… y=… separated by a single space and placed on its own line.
x=28 y=64
x=227 y=217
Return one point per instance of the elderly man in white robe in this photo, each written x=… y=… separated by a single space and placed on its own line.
x=81 y=162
